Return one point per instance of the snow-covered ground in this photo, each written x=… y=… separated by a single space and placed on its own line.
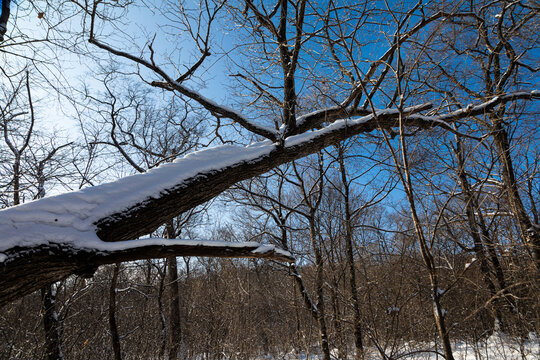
x=496 y=347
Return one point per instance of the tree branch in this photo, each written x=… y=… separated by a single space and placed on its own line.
x=48 y=239
x=35 y=267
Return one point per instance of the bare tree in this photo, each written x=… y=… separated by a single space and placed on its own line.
x=18 y=149
x=256 y=194
x=291 y=138
x=113 y=327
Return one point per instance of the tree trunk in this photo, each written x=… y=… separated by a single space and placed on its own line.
x=403 y=171
x=175 y=330
x=53 y=345
x=163 y=322
x=530 y=232
x=17 y=180
x=357 y=324
x=115 y=338
x=319 y=290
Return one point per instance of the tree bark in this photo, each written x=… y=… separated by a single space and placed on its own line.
x=319 y=290
x=175 y=329
x=53 y=348
x=115 y=337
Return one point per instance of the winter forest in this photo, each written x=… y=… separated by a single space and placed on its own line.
x=269 y=179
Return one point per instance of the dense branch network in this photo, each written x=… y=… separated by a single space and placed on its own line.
x=66 y=232
x=49 y=239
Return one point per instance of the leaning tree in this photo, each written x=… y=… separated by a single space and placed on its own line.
x=350 y=55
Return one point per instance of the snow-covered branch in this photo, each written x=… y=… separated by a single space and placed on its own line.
x=26 y=269
x=128 y=208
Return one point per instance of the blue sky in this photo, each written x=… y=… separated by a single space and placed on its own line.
x=139 y=23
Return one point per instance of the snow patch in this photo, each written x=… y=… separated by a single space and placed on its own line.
x=467 y=265
x=392 y=310
x=495 y=347
x=440 y=291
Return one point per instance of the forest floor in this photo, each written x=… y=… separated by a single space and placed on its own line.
x=496 y=347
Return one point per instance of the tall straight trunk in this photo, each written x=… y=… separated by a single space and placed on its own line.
x=175 y=329
x=53 y=345
x=357 y=321
x=53 y=339
x=113 y=327
x=319 y=284
x=314 y=309
x=16 y=180
x=161 y=290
